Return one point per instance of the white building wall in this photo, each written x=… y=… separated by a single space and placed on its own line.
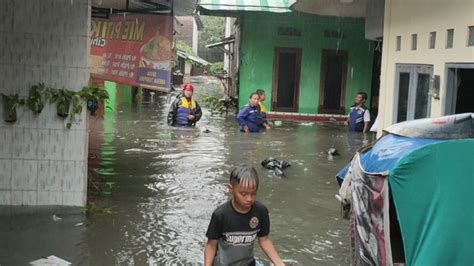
x=41 y=162
x=406 y=17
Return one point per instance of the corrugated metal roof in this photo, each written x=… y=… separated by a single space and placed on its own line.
x=216 y=7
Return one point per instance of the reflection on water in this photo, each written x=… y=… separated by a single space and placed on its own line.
x=169 y=180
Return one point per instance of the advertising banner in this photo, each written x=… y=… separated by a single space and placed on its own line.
x=133 y=49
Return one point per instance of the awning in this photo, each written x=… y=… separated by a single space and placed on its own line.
x=191 y=57
x=232 y=7
x=103 y=8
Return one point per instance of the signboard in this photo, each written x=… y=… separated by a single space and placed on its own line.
x=133 y=49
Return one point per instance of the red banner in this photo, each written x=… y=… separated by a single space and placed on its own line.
x=133 y=49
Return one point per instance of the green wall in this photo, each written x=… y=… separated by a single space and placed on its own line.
x=259 y=38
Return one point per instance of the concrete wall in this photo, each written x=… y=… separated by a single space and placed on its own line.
x=42 y=163
x=374 y=19
x=404 y=18
x=260 y=37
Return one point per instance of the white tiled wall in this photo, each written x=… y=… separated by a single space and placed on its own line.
x=41 y=162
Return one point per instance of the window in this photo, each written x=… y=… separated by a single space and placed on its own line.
x=470 y=36
x=422 y=98
x=432 y=43
x=414 y=39
x=449 y=38
x=398 y=44
x=412 y=100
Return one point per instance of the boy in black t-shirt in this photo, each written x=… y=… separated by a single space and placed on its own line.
x=236 y=224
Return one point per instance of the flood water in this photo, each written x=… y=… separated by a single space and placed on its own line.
x=169 y=180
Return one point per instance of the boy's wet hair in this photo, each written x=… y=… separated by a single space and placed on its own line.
x=244 y=175
x=252 y=94
x=364 y=95
x=260 y=92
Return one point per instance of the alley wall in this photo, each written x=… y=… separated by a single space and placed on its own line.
x=41 y=162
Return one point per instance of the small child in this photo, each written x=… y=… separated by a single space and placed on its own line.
x=236 y=224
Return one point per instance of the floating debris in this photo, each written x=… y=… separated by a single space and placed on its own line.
x=333 y=152
x=275 y=165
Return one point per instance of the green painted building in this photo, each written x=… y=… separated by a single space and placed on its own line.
x=305 y=63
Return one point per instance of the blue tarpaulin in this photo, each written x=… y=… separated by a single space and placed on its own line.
x=385 y=154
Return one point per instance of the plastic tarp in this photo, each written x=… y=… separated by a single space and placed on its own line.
x=369 y=217
x=432 y=190
x=385 y=154
x=447 y=127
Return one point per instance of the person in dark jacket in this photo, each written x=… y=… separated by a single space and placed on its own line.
x=250 y=117
x=184 y=111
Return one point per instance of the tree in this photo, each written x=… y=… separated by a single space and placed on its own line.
x=214 y=31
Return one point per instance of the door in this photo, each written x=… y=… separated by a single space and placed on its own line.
x=286 y=79
x=412 y=100
x=332 y=86
x=459 y=89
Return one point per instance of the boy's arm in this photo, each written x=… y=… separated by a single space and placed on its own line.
x=244 y=112
x=210 y=252
x=267 y=247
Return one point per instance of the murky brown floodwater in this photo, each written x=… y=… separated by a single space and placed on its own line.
x=168 y=182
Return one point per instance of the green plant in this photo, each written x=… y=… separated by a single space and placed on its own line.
x=216 y=68
x=181 y=45
x=213 y=104
x=10 y=102
x=76 y=109
x=62 y=98
x=68 y=104
x=37 y=98
x=94 y=94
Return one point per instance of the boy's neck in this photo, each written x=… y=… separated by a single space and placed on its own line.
x=239 y=209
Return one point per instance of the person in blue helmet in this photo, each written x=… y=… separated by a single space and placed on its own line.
x=359 y=114
x=250 y=117
x=184 y=111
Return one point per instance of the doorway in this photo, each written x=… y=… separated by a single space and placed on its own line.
x=459 y=89
x=412 y=83
x=332 y=87
x=286 y=79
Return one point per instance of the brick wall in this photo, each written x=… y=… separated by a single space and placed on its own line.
x=41 y=162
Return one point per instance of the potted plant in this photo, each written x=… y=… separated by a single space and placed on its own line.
x=94 y=94
x=10 y=102
x=76 y=102
x=37 y=97
x=62 y=98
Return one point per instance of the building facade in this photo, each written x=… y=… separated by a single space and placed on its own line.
x=427 y=61
x=306 y=64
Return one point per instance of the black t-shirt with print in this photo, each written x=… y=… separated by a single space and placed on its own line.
x=236 y=232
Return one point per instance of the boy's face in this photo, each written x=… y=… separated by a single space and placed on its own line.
x=254 y=100
x=359 y=99
x=244 y=195
x=262 y=97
